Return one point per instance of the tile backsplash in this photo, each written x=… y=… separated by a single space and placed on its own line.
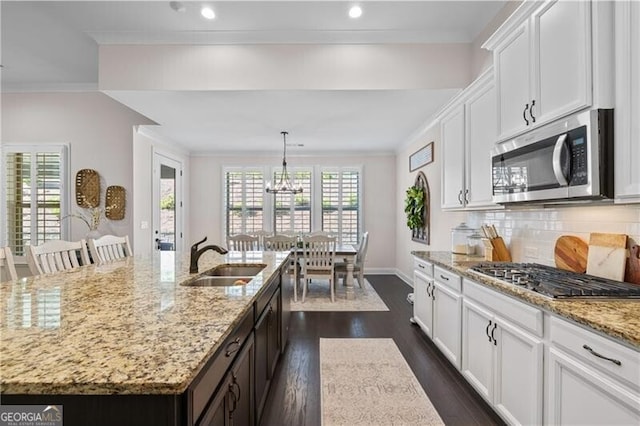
x=531 y=234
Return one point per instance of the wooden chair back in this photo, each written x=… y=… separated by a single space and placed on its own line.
x=362 y=249
x=109 y=248
x=242 y=242
x=57 y=256
x=279 y=243
x=319 y=254
x=261 y=236
x=6 y=261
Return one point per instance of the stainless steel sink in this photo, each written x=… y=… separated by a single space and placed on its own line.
x=237 y=270
x=218 y=281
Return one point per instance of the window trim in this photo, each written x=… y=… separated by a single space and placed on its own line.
x=65 y=190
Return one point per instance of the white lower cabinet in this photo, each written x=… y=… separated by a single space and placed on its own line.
x=422 y=303
x=437 y=307
x=590 y=379
x=502 y=361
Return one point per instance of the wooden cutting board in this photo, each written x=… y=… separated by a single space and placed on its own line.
x=570 y=253
x=632 y=274
x=607 y=256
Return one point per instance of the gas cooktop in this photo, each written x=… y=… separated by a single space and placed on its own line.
x=557 y=283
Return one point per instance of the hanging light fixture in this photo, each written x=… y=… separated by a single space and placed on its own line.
x=284 y=185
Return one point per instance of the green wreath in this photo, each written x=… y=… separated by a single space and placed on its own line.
x=414 y=207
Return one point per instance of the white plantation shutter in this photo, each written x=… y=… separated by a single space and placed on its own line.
x=293 y=212
x=33 y=201
x=244 y=201
x=341 y=204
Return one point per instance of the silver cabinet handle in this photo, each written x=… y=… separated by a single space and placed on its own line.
x=466 y=198
x=524 y=114
x=444 y=278
x=460 y=196
x=420 y=266
x=557 y=154
x=493 y=330
x=596 y=354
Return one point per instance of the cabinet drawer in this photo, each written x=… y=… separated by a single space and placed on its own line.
x=423 y=266
x=447 y=278
x=576 y=340
x=219 y=364
x=526 y=316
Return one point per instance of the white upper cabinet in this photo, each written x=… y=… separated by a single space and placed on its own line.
x=468 y=133
x=544 y=63
x=627 y=110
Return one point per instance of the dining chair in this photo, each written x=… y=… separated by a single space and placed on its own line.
x=109 y=248
x=242 y=242
x=261 y=236
x=57 y=256
x=358 y=265
x=6 y=261
x=318 y=261
x=279 y=243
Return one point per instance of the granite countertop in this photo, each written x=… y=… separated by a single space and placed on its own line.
x=127 y=327
x=619 y=319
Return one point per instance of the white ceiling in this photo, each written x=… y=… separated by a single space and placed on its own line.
x=53 y=45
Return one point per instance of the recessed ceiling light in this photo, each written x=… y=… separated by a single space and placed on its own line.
x=207 y=12
x=355 y=12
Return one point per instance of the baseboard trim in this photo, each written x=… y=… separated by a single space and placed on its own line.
x=390 y=271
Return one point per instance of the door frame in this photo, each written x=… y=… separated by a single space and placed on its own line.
x=163 y=158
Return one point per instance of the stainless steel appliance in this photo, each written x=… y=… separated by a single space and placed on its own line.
x=557 y=283
x=569 y=159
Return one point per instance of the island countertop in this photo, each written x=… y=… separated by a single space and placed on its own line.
x=127 y=327
x=619 y=319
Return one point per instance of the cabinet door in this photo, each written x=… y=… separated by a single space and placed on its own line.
x=217 y=412
x=262 y=360
x=422 y=305
x=447 y=325
x=477 y=348
x=627 y=110
x=579 y=395
x=513 y=69
x=518 y=387
x=481 y=136
x=241 y=377
x=452 y=141
x=562 y=59
x=273 y=342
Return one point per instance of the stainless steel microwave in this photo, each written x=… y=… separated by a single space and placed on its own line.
x=567 y=160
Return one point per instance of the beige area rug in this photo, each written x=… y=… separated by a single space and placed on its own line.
x=368 y=382
x=319 y=298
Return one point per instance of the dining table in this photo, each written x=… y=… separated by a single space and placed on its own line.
x=343 y=251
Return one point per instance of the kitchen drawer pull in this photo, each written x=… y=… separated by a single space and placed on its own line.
x=420 y=266
x=466 y=196
x=428 y=288
x=236 y=342
x=460 y=196
x=594 y=353
x=487 y=330
x=444 y=278
x=524 y=114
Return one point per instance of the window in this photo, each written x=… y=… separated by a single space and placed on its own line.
x=330 y=201
x=33 y=199
x=293 y=212
x=341 y=204
x=244 y=191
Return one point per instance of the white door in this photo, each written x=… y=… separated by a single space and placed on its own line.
x=480 y=139
x=513 y=69
x=447 y=327
x=167 y=203
x=518 y=386
x=578 y=395
x=422 y=306
x=477 y=348
x=452 y=141
x=562 y=59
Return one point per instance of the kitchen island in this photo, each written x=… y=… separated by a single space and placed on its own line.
x=126 y=340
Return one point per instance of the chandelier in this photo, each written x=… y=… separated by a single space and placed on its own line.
x=284 y=185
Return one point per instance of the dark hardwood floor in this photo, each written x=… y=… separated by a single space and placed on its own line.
x=294 y=398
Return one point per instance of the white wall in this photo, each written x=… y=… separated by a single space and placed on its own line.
x=98 y=131
x=440 y=222
x=378 y=186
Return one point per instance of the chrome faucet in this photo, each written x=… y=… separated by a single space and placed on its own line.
x=196 y=253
